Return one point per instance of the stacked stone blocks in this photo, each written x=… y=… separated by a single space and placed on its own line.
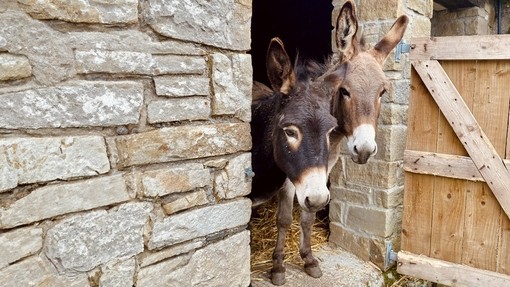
x=124 y=143
x=467 y=21
x=366 y=200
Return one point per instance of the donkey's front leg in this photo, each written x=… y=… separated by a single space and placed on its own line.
x=283 y=222
x=305 y=250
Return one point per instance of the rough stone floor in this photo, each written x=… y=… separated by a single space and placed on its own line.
x=339 y=268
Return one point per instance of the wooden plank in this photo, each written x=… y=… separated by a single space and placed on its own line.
x=467 y=129
x=504 y=244
x=482 y=226
x=492 y=97
x=417 y=214
x=491 y=111
x=418 y=196
x=504 y=247
x=507 y=148
x=439 y=164
x=484 y=47
x=448 y=219
x=452 y=166
x=462 y=75
x=448 y=273
x=449 y=194
x=423 y=117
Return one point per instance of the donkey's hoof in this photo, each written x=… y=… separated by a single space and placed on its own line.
x=278 y=278
x=314 y=271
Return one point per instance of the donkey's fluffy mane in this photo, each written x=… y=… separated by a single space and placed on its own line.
x=311 y=70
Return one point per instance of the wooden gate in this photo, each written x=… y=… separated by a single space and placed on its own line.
x=456 y=226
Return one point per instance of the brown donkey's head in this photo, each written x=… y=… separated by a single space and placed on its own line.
x=359 y=82
x=301 y=129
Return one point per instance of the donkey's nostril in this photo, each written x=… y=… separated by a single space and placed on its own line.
x=307 y=202
x=356 y=149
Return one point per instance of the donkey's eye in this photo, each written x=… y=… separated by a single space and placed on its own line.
x=290 y=132
x=382 y=93
x=293 y=137
x=344 y=93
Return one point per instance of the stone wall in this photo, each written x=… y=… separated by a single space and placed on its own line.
x=124 y=142
x=366 y=206
x=468 y=21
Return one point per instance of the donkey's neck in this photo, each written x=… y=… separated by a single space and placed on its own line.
x=270 y=177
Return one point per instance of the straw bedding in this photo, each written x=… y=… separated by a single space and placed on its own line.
x=263 y=240
x=264 y=232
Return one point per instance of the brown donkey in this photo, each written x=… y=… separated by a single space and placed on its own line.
x=290 y=131
x=358 y=83
x=355 y=83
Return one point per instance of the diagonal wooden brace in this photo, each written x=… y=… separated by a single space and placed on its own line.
x=472 y=137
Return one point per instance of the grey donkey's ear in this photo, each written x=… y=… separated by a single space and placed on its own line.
x=279 y=68
x=346 y=29
x=383 y=48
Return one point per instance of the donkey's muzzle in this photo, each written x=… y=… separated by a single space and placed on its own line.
x=311 y=189
x=362 y=143
x=361 y=157
x=314 y=204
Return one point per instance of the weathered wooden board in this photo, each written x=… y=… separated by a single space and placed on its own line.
x=467 y=129
x=447 y=230
x=480 y=244
x=453 y=166
x=448 y=273
x=504 y=246
x=421 y=133
x=487 y=47
x=457 y=193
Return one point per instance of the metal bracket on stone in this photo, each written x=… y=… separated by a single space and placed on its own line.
x=249 y=172
x=401 y=48
x=391 y=256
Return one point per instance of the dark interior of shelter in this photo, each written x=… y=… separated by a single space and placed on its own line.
x=303 y=25
x=305 y=29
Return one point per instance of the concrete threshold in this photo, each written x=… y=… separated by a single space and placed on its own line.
x=339 y=268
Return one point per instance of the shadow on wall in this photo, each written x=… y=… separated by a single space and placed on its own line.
x=505 y=17
x=303 y=25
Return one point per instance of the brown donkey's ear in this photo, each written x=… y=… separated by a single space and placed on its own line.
x=346 y=28
x=279 y=67
x=335 y=79
x=382 y=49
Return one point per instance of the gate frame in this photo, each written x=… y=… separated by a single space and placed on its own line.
x=483 y=163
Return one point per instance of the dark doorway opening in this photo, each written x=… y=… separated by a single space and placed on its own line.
x=303 y=25
x=305 y=28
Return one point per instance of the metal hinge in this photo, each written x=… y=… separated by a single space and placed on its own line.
x=401 y=48
x=391 y=256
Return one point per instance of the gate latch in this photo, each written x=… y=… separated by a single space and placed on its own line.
x=401 y=48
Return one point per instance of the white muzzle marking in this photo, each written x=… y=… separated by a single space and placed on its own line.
x=362 y=142
x=311 y=189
